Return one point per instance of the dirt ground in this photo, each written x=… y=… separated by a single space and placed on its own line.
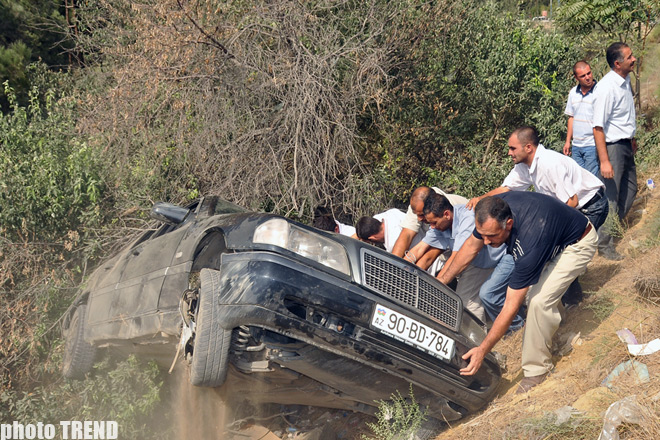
x=619 y=295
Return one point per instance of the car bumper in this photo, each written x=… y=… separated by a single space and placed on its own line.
x=332 y=317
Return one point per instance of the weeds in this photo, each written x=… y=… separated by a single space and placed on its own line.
x=549 y=427
x=398 y=419
x=601 y=305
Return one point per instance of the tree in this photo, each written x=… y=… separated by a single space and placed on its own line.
x=628 y=21
x=30 y=31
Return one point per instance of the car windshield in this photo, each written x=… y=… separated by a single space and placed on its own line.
x=224 y=207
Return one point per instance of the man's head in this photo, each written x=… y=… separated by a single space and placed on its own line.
x=417 y=200
x=493 y=220
x=583 y=75
x=620 y=58
x=439 y=213
x=522 y=145
x=325 y=223
x=370 y=229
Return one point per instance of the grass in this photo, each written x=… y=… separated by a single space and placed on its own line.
x=601 y=305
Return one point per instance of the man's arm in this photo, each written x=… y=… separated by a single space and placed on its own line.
x=513 y=301
x=601 y=147
x=429 y=257
x=569 y=136
x=493 y=192
x=458 y=261
x=573 y=201
x=402 y=243
x=414 y=254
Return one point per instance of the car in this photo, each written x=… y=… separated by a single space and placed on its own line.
x=275 y=302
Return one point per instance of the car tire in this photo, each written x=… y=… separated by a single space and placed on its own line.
x=210 y=356
x=78 y=354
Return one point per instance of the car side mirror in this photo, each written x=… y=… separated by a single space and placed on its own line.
x=169 y=213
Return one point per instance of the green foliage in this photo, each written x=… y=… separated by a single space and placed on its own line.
x=619 y=20
x=398 y=419
x=126 y=392
x=50 y=176
x=30 y=31
x=460 y=89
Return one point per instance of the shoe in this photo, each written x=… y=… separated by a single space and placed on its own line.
x=530 y=382
x=610 y=254
x=573 y=295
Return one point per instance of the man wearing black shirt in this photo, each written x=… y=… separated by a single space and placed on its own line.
x=551 y=244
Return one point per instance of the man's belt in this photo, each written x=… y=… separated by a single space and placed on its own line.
x=599 y=195
x=586 y=231
x=620 y=141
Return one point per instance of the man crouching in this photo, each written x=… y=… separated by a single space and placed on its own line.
x=551 y=244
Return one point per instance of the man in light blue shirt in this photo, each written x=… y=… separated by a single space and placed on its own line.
x=580 y=111
x=482 y=285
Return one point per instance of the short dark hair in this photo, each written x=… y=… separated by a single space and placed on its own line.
x=492 y=207
x=325 y=223
x=580 y=63
x=527 y=135
x=615 y=53
x=366 y=227
x=437 y=204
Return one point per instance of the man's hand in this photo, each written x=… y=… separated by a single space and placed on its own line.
x=476 y=357
x=634 y=146
x=473 y=202
x=567 y=149
x=606 y=170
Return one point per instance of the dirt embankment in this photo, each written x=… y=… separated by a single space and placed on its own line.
x=619 y=295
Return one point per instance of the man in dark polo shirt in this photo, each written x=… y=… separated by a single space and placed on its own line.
x=551 y=244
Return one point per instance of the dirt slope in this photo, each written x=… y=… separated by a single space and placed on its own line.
x=623 y=294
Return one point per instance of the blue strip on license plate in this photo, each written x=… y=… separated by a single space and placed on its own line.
x=412 y=332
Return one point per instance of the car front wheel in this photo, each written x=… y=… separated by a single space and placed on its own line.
x=78 y=354
x=210 y=355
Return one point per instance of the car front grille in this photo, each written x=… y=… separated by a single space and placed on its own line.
x=402 y=283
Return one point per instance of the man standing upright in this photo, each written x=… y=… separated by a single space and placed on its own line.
x=580 y=111
x=614 y=129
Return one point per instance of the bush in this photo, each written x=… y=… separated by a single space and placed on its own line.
x=51 y=178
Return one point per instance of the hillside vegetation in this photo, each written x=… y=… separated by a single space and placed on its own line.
x=283 y=106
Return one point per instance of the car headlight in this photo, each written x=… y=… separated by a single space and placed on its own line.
x=471 y=328
x=280 y=232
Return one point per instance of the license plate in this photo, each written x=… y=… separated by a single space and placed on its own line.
x=412 y=332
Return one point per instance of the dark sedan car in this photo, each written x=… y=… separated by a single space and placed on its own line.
x=278 y=302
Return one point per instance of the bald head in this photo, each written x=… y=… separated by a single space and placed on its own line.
x=420 y=194
x=580 y=65
x=417 y=200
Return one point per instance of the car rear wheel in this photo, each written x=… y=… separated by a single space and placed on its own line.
x=78 y=354
x=210 y=356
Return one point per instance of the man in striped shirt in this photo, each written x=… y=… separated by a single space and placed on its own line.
x=580 y=111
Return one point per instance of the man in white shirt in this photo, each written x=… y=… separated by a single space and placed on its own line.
x=556 y=175
x=383 y=228
x=614 y=129
x=580 y=111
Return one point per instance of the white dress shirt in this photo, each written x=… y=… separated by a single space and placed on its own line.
x=556 y=175
x=614 y=107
